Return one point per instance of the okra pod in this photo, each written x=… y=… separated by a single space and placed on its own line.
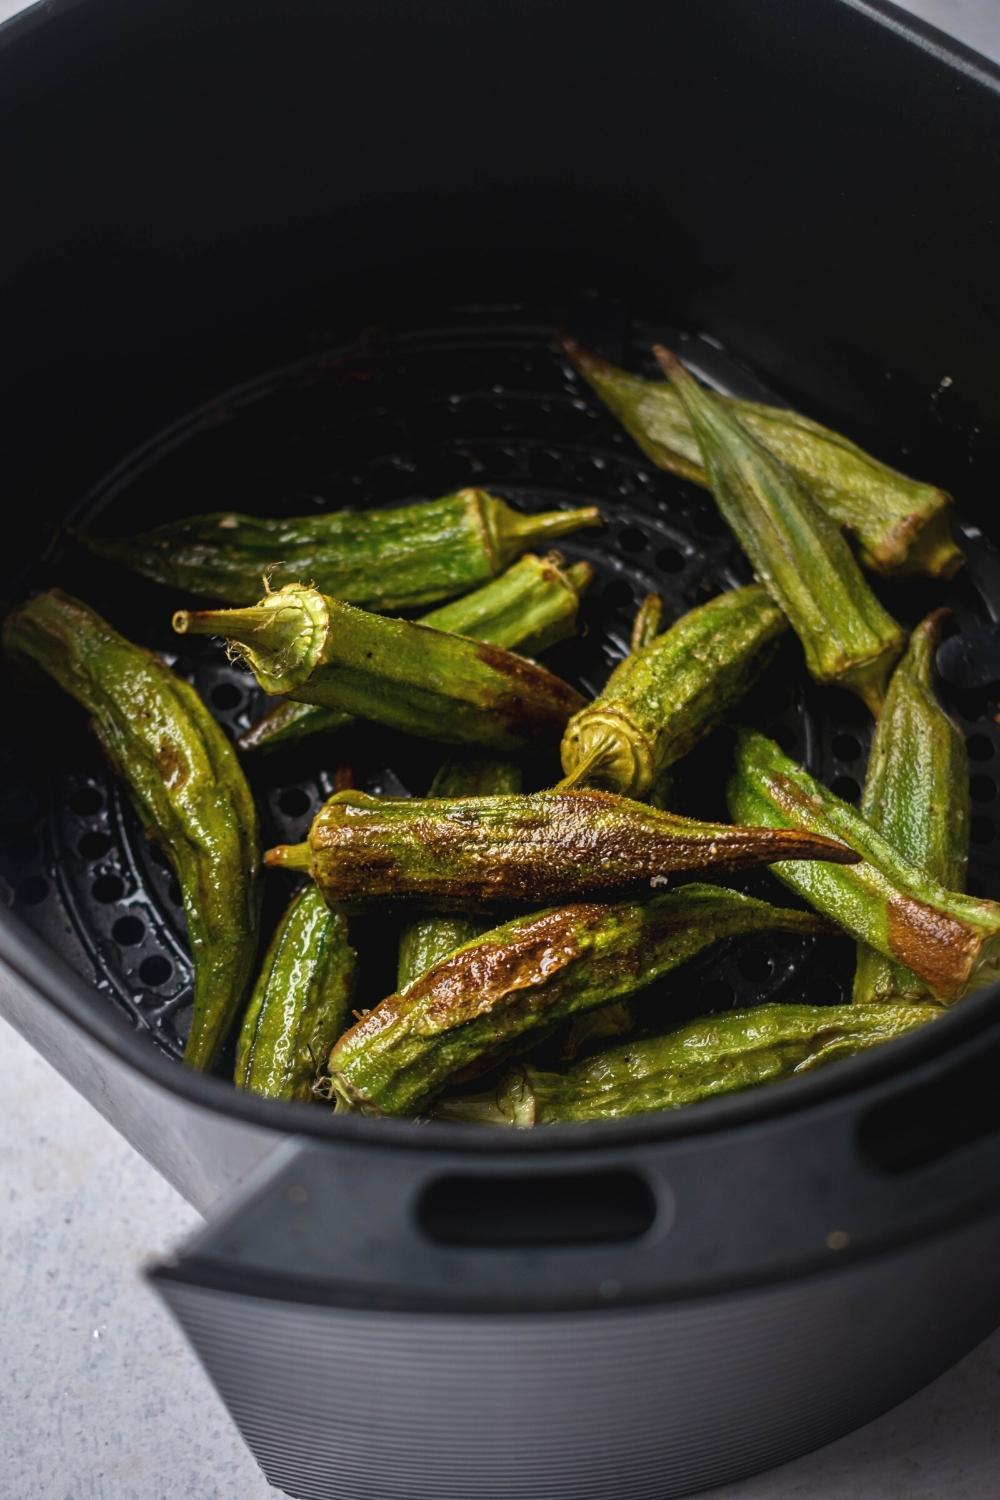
x=524 y=976
x=528 y=608
x=916 y=795
x=185 y=781
x=659 y=702
x=950 y=942
x=424 y=941
x=708 y=1057
x=427 y=682
x=647 y=623
x=609 y=1021
x=797 y=552
x=300 y=1002
x=547 y=846
x=900 y=525
x=382 y=559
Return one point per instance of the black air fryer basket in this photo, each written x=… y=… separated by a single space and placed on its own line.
x=280 y=257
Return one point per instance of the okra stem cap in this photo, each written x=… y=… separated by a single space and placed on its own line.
x=282 y=637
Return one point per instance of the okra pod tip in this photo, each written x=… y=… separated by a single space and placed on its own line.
x=288 y=857
x=545 y=526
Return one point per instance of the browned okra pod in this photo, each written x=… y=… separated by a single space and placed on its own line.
x=548 y=846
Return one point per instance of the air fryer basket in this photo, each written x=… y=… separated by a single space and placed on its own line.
x=390 y=208
x=480 y=397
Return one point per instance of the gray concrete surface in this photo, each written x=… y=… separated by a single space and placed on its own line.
x=100 y=1398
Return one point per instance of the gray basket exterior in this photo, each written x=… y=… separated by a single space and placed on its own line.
x=644 y=1404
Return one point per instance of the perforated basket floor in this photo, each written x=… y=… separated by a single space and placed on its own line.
x=486 y=399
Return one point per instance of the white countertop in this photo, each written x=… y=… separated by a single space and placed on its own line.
x=100 y=1397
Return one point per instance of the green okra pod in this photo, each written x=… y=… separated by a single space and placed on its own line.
x=428 y=682
x=900 y=525
x=382 y=559
x=950 y=942
x=524 y=976
x=547 y=846
x=660 y=701
x=916 y=795
x=610 y=1021
x=528 y=608
x=300 y=1003
x=424 y=941
x=647 y=623
x=713 y=1055
x=185 y=781
x=797 y=552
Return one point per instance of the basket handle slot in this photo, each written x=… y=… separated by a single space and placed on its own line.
x=520 y=1210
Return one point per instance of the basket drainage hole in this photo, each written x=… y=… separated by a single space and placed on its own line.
x=755 y=964
x=294 y=802
x=32 y=890
x=846 y=787
x=107 y=888
x=86 y=800
x=983 y=789
x=92 y=845
x=226 y=695
x=980 y=747
x=155 y=970
x=671 y=560
x=846 y=747
x=128 y=931
x=632 y=539
x=981 y=831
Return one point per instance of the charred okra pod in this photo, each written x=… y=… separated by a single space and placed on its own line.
x=711 y=1056
x=382 y=559
x=659 y=702
x=527 y=975
x=916 y=795
x=423 y=942
x=300 y=1003
x=901 y=526
x=547 y=846
x=186 y=784
x=427 y=682
x=796 y=550
x=950 y=942
x=528 y=608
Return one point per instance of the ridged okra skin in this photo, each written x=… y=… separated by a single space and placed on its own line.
x=490 y=851
x=661 y=700
x=949 y=941
x=714 y=1055
x=527 y=975
x=382 y=559
x=797 y=552
x=424 y=941
x=916 y=794
x=900 y=525
x=528 y=608
x=300 y=1003
x=426 y=682
x=185 y=781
